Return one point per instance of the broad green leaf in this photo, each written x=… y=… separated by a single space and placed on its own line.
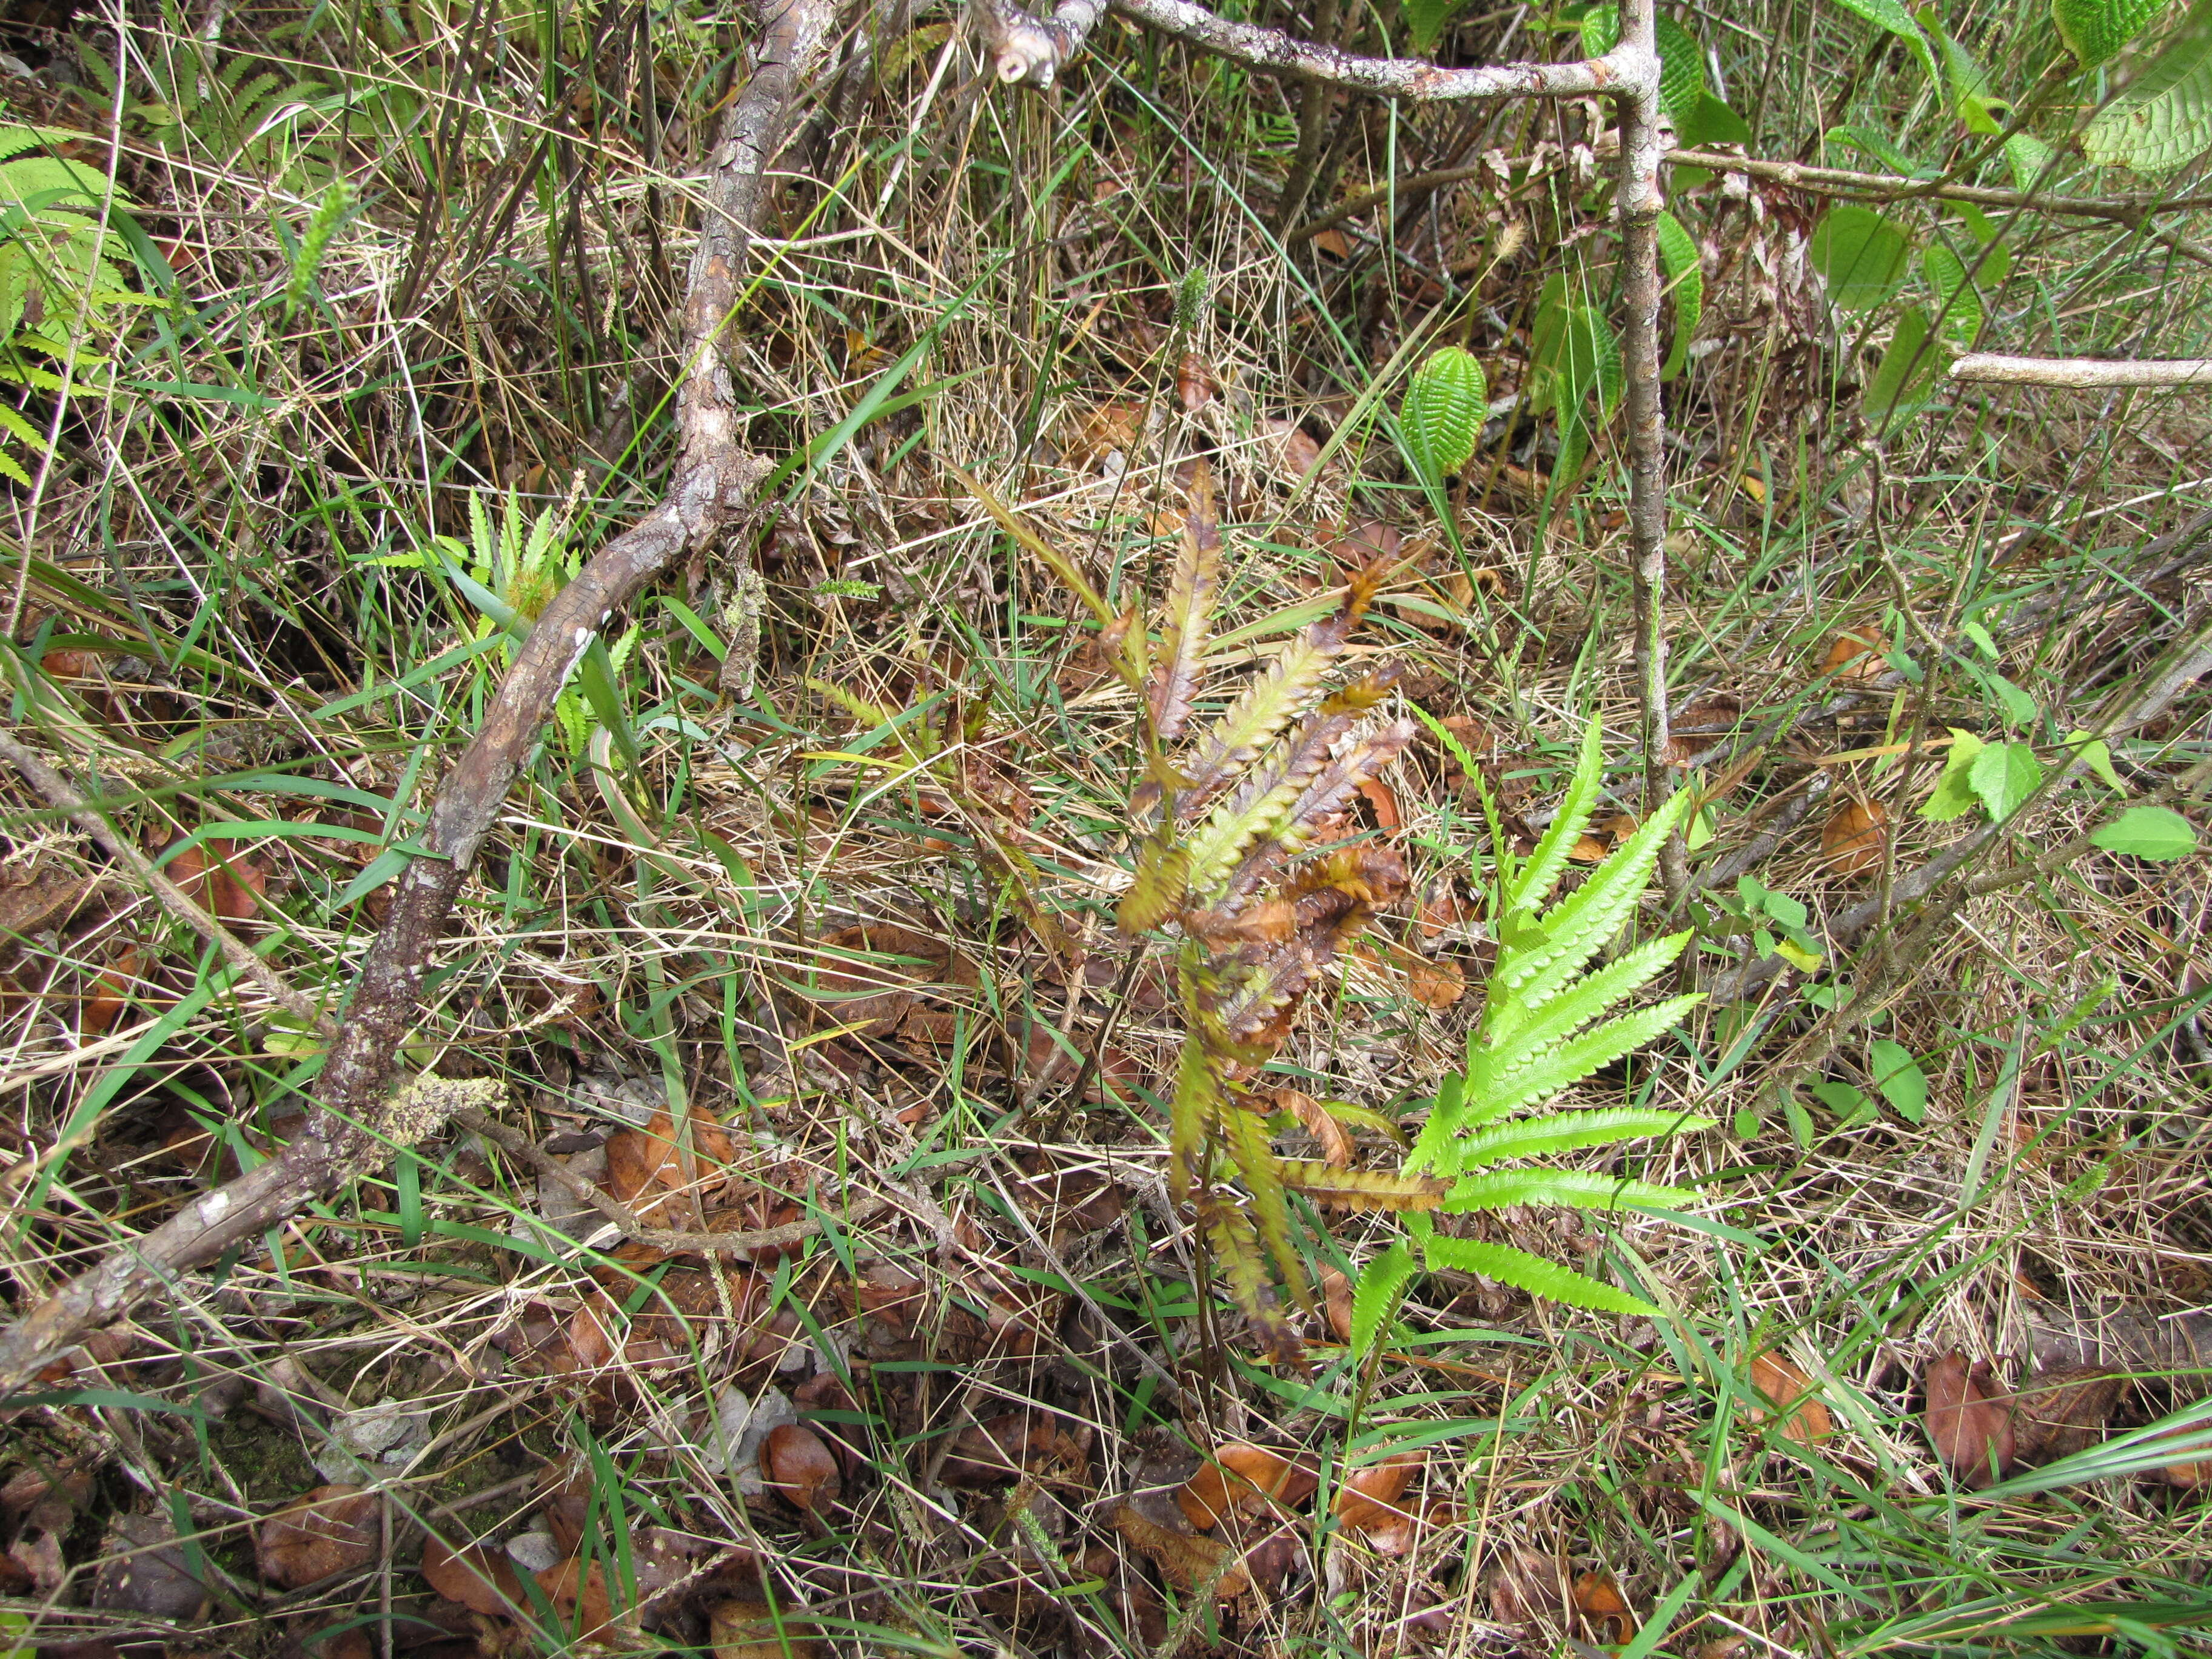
x=1685 y=282
x=1861 y=256
x=2030 y=159
x=1905 y=379
x=2164 y=118
x=1681 y=71
x=1876 y=144
x=1497 y=1188
x=2093 y=753
x=1425 y=21
x=1892 y=16
x=1445 y=405
x=1898 y=1076
x=1374 y=1301
x=1574 y=352
x=1711 y=122
x=1953 y=796
x=2095 y=30
x=2004 y=775
x=1532 y=1273
x=1995 y=259
x=2148 y=832
x=1842 y=1098
x=1959 y=307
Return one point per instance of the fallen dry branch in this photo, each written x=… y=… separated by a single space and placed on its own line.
x=1991 y=368
x=713 y=482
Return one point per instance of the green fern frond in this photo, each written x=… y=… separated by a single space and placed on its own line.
x=1571 y=1061
x=1542 y=870
x=1375 y=1300
x=1497 y=1189
x=1235 y=1243
x=1197 y=1102
x=1330 y=788
x=1514 y=1034
x=1534 y=1274
x=1560 y=1132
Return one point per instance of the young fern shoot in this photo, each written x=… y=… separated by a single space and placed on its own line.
x=1542 y=1029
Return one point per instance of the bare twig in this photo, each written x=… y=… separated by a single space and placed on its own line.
x=713 y=482
x=1889 y=186
x=1989 y=368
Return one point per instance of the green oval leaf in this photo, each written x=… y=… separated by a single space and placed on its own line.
x=1445 y=405
x=1860 y=255
x=2164 y=118
x=2095 y=30
x=2148 y=832
x=1899 y=1076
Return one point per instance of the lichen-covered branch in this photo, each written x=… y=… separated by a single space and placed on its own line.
x=1033 y=50
x=1989 y=368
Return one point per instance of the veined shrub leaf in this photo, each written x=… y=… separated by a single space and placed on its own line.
x=1860 y=255
x=1892 y=15
x=2164 y=118
x=1905 y=379
x=1682 y=59
x=2004 y=775
x=1444 y=408
x=1374 y=1301
x=1685 y=282
x=1532 y=1273
x=1959 y=307
x=2095 y=30
x=2148 y=832
x=1953 y=796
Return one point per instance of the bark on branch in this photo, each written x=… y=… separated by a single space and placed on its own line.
x=1989 y=368
x=713 y=482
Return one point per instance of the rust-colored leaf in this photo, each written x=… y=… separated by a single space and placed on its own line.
x=1335 y=1140
x=2193 y=1471
x=797 y=1465
x=1336 y=1300
x=579 y=1596
x=1383 y=800
x=1247 y=1478
x=1109 y=428
x=1969 y=1425
x=639 y=1159
x=1853 y=841
x=1588 y=849
x=1442 y=909
x=1195 y=384
x=1856 y=654
x=220 y=875
x=1804 y=1418
x=1188 y=1560
x=40 y=900
x=110 y=989
x=1603 y=1609
x=748 y=1630
x=1372 y=1497
x=331 y=1529
x=481 y=1580
x=1294 y=454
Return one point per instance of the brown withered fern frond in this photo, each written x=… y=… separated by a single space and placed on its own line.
x=1225 y=860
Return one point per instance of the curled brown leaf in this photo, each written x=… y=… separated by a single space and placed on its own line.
x=1970 y=1426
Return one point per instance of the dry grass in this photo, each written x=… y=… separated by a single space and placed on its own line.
x=489 y=326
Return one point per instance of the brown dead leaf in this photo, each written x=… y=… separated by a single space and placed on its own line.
x=1247 y=1478
x=870 y=998
x=41 y=900
x=1383 y=801
x=481 y=1579
x=1109 y=428
x=1856 y=654
x=1442 y=909
x=110 y=990
x=2062 y=1411
x=1195 y=384
x=749 y=1630
x=331 y=1529
x=800 y=1467
x=1372 y=1497
x=1288 y=447
x=1588 y=849
x=1968 y=1423
x=147 y=1571
x=1804 y=1418
x=1854 y=840
x=1603 y=1609
x=1186 y=1559
x=1527 y=1588
x=221 y=877
x=1336 y=1300
x=652 y=1157
x=1437 y=984
x=1335 y=1140
x=2194 y=1472
x=579 y=1596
